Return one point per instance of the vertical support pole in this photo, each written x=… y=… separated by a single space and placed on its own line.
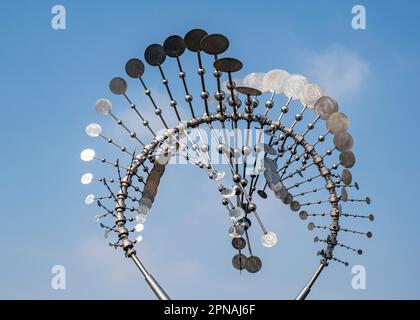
x=305 y=291
x=153 y=284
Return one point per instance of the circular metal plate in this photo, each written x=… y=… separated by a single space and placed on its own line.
x=134 y=68
x=228 y=64
x=253 y=264
x=262 y=194
x=343 y=141
x=214 y=44
x=154 y=54
x=174 y=46
x=295 y=206
x=270 y=164
x=272 y=176
x=347 y=159
x=346 y=177
x=288 y=199
x=118 y=86
x=193 y=39
x=238 y=243
x=303 y=215
x=238 y=261
x=344 y=194
x=248 y=91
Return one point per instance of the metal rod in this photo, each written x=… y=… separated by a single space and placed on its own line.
x=153 y=284
x=305 y=291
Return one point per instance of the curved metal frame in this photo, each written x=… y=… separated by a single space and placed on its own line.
x=140 y=158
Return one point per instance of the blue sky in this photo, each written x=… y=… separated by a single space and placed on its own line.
x=50 y=80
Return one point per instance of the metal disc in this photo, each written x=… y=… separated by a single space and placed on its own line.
x=295 y=206
x=270 y=164
x=238 y=261
x=270 y=150
x=228 y=64
x=282 y=193
x=238 y=243
x=346 y=177
x=303 y=215
x=275 y=186
x=347 y=159
x=356 y=185
x=253 y=264
x=262 y=194
x=367 y=200
x=336 y=122
x=134 y=68
x=311 y=226
x=154 y=54
x=118 y=86
x=343 y=140
x=193 y=39
x=344 y=194
x=288 y=199
x=214 y=44
x=248 y=91
x=174 y=46
x=271 y=176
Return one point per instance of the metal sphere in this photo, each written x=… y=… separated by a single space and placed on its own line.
x=284 y=109
x=173 y=103
x=219 y=96
x=252 y=207
x=236 y=178
x=269 y=104
x=158 y=111
x=188 y=98
x=255 y=102
x=204 y=95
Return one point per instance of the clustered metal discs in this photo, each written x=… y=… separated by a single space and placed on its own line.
x=286 y=156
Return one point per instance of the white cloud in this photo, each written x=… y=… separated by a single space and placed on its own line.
x=340 y=70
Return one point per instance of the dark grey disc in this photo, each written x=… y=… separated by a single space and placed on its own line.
x=295 y=206
x=367 y=200
x=269 y=150
x=154 y=54
x=262 y=194
x=118 y=86
x=214 y=44
x=270 y=164
x=248 y=91
x=303 y=215
x=174 y=46
x=288 y=199
x=344 y=194
x=193 y=39
x=347 y=159
x=271 y=176
x=227 y=64
x=346 y=177
x=311 y=226
x=239 y=261
x=134 y=68
x=356 y=185
x=238 y=243
x=253 y=264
